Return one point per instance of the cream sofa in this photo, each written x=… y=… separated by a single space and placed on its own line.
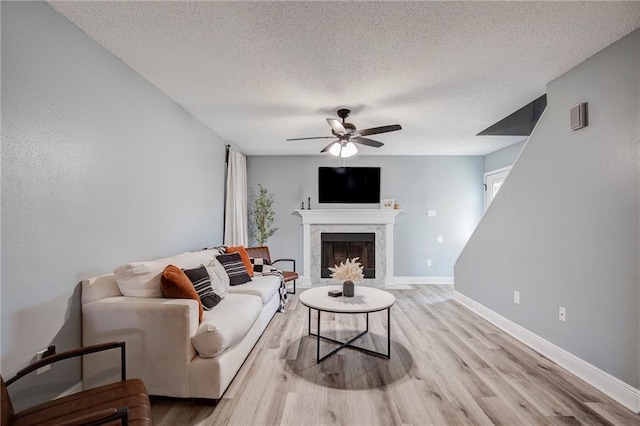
x=167 y=347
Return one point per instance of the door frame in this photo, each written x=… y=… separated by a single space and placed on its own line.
x=501 y=171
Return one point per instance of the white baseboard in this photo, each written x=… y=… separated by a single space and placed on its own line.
x=424 y=280
x=305 y=282
x=73 y=389
x=613 y=387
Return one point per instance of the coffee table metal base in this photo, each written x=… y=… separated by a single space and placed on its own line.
x=349 y=342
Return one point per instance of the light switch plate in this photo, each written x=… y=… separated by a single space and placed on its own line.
x=432 y=213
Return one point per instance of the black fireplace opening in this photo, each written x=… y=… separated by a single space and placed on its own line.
x=337 y=247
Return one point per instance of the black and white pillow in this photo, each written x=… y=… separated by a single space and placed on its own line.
x=233 y=265
x=201 y=281
x=261 y=265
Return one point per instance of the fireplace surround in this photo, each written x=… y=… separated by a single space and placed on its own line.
x=378 y=222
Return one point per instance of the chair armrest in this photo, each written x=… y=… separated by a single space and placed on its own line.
x=286 y=260
x=99 y=417
x=73 y=354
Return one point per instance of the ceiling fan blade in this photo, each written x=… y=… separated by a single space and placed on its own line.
x=326 y=148
x=378 y=130
x=317 y=137
x=337 y=126
x=368 y=142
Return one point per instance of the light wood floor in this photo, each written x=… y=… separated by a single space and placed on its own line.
x=448 y=367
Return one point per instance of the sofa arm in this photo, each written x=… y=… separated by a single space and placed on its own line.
x=157 y=332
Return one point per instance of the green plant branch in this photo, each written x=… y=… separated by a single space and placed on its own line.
x=263 y=216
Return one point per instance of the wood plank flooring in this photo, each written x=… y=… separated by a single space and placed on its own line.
x=448 y=367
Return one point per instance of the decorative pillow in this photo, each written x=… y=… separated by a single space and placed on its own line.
x=176 y=285
x=261 y=265
x=235 y=268
x=244 y=255
x=201 y=281
x=219 y=277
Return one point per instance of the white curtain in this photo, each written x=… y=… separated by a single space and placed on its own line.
x=236 y=216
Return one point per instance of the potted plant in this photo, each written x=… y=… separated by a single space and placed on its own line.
x=263 y=215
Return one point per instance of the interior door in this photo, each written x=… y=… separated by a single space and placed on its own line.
x=492 y=183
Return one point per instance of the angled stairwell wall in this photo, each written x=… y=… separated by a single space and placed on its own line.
x=564 y=229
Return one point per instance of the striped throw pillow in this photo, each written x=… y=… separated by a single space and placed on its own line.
x=201 y=281
x=233 y=265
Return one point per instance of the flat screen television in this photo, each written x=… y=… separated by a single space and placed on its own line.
x=349 y=185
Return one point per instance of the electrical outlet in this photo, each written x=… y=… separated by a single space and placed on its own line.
x=562 y=313
x=38 y=358
x=429 y=262
x=516 y=297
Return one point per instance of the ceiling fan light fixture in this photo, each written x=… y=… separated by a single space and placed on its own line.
x=349 y=150
x=335 y=149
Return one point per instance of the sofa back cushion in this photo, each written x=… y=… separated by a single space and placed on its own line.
x=96 y=288
x=142 y=279
x=219 y=278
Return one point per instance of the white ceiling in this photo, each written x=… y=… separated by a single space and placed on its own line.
x=258 y=73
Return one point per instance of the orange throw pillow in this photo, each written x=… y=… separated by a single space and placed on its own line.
x=244 y=255
x=176 y=285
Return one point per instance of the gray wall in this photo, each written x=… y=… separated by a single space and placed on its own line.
x=564 y=228
x=450 y=185
x=504 y=157
x=98 y=168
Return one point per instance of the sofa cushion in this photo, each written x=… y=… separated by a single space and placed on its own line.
x=264 y=286
x=236 y=270
x=201 y=281
x=177 y=285
x=227 y=324
x=142 y=279
x=219 y=277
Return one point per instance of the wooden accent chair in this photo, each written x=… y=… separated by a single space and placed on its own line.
x=263 y=252
x=117 y=403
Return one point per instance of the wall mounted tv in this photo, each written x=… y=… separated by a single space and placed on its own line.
x=349 y=185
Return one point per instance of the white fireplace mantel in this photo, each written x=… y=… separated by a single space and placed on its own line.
x=351 y=216
x=334 y=217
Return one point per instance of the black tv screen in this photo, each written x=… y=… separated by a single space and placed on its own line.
x=349 y=185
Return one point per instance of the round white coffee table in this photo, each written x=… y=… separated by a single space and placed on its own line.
x=365 y=301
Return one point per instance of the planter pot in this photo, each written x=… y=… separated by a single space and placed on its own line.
x=348 y=289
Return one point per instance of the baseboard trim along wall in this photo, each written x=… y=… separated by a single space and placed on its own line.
x=73 y=389
x=613 y=387
x=305 y=282
x=424 y=280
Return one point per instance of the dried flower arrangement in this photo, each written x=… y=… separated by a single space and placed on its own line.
x=351 y=270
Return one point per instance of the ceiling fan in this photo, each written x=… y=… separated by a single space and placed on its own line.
x=347 y=135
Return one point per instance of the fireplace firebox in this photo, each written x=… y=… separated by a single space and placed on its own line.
x=337 y=247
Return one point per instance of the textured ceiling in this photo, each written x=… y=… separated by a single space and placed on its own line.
x=258 y=73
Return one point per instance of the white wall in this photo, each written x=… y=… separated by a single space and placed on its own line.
x=450 y=185
x=98 y=168
x=564 y=228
